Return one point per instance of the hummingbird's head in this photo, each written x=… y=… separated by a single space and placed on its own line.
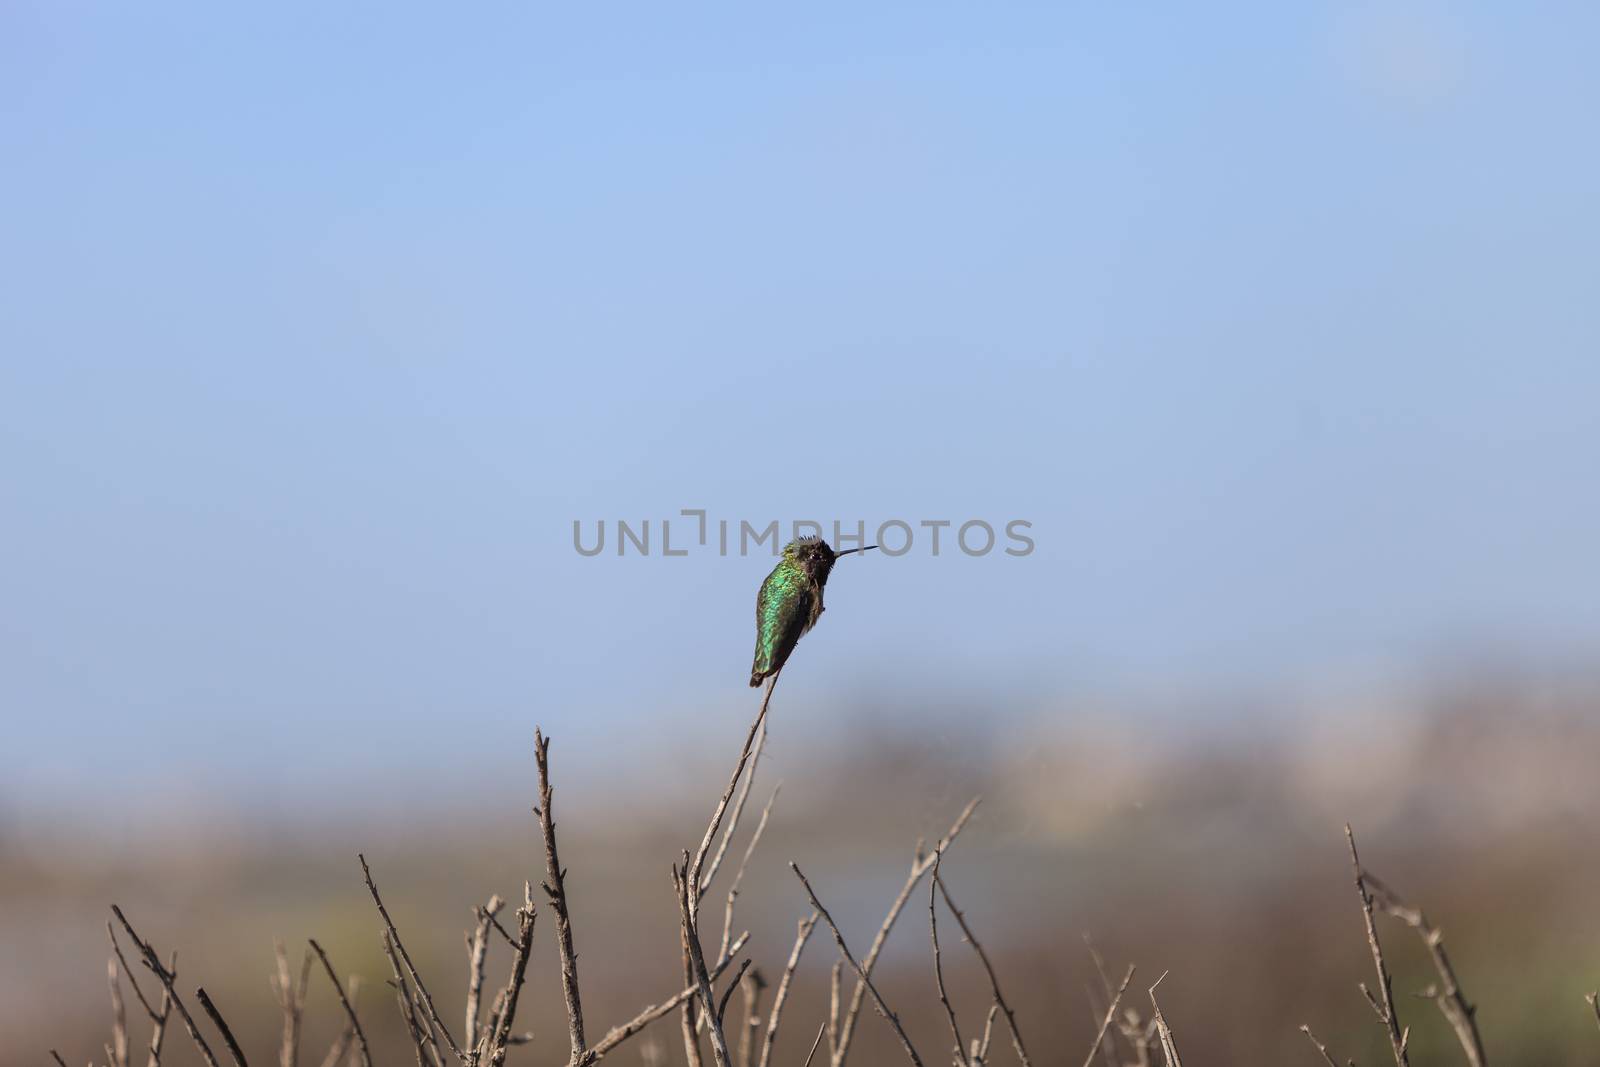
x=814 y=555
x=817 y=556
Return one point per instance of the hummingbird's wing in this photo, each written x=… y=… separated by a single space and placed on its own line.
x=784 y=611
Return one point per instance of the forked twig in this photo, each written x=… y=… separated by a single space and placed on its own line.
x=416 y=979
x=844 y=1030
x=994 y=980
x=1452 y=1002
x=866 y=980
x=166 y=977
x=499 y=1037
x=618 y=1034
x=1383 y=1005
x=344 y=1002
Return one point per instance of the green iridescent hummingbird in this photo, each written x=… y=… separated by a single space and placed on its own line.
x=790 y=602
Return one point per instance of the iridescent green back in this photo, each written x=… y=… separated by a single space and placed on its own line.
x=786 y=607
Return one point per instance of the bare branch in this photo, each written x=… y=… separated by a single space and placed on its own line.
x=753 y=987
x=1169 y=1048
x=344 y=1002
x=1322 y=1050
x=556 y=890
x=844 y=950
x=813 y=1053
x=292 y=1000
x=166 y=977
x=347 y=1036
x=1452 y=1002
x=222 y=1025
x=117 y=1051
x=501 y=1037
x=845 y=1029
x=416 y=979
x=738 y=808
x=994 y=980
x=938 y=968
x=727 y=994
x=802 y=935
x=409 y=1012
x=619 y=1034
x=981 y=1054
x=681 y=882
x=695 y=868
x=738 y=876
x=1384 y=1007
x=477 y=957
x=1111 y=1013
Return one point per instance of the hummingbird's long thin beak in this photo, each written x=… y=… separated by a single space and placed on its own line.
x=847 y=551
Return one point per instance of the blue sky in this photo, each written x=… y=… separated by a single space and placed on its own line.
x=320 y=327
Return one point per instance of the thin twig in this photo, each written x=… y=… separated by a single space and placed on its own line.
x=618 y=1034
x=844 y=950
x=835 y=977
x=802 y=935
x=981 y=1054
x=812 y=1054
x=118 y=1049
x=753 y=987
x=738 y=810
x=938 y=967
x=688 y=1018
x=738 y=875
x=556 y=890
x=347 y=1036
x=344 y=1002
x=694 y=872
x=507 y=1000
x=994 y=980
x=222 y=1025
x=477 y=957
x=158 y=1019
x=845 y=1030
x=292 y=1000
x=1383 y=1007
x=1322 y=1050
x=1169 y=1048
x=416 y=979
x=408 y=1010
x=1111 y=1012
x=727 y=994
x=166 y=977
x=1452 y=1002
x=681 y=882
x=1593 y=1000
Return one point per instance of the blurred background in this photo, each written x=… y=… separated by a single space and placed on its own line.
x=322 y=326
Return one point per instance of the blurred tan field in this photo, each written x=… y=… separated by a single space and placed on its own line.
x=1218 y=858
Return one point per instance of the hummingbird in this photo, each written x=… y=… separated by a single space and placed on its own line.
x=790 y=602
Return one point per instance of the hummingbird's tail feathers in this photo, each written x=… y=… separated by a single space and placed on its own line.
x=755 y=680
